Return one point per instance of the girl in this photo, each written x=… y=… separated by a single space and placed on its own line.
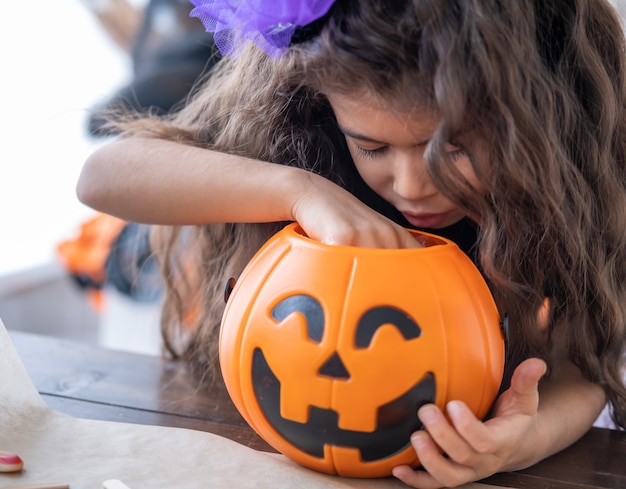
x=500 y=125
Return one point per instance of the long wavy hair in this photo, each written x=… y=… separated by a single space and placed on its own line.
x=534 y=92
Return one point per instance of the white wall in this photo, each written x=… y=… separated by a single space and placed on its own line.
x=57 y=63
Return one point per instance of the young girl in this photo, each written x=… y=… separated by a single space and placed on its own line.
x=500 y=125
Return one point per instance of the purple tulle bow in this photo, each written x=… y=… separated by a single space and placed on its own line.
x=270 y=24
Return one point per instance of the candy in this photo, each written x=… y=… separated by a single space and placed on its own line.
x=9 y=462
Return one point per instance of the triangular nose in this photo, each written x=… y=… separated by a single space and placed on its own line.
x=334 y=367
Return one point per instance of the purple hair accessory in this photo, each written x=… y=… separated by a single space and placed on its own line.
x=270 y=24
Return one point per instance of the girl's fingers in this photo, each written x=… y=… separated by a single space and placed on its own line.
x=527 y=375
x=440 y=471
x=443 y=433
x=415 y=478
x=476 y=435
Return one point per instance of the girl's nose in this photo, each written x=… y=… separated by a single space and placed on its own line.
x=411 y=180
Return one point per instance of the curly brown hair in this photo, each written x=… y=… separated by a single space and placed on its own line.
x=533 y=91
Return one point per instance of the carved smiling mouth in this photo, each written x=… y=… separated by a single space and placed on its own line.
x=396 y=420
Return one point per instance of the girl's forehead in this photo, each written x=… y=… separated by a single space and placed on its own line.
x=358 y=111
x=364 y=119
x=398 y=104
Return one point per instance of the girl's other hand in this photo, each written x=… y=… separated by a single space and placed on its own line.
x=476 y=449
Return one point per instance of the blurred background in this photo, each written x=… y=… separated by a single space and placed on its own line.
x=62 y=60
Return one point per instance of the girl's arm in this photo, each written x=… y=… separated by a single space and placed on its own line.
x=160 y=182
x=155 y=181
x=532 y=421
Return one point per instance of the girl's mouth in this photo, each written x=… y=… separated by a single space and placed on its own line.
x=429 y=221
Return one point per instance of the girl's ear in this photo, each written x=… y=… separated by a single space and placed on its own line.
x=543 y=315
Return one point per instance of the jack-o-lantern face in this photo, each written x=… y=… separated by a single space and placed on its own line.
x=329 y=351
x=387 y=425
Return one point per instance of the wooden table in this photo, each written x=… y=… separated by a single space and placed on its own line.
x=108 y=385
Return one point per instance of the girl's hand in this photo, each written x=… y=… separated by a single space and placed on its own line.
x=475 y=450
x=331 y=215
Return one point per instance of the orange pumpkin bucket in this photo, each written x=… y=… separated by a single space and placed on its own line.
x=328 y=351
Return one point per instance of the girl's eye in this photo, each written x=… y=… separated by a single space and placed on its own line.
x=370 y=153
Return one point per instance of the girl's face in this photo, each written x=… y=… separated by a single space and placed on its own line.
x=388 y=151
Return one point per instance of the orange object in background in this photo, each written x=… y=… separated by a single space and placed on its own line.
x=328 y=351
x=84 y=256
